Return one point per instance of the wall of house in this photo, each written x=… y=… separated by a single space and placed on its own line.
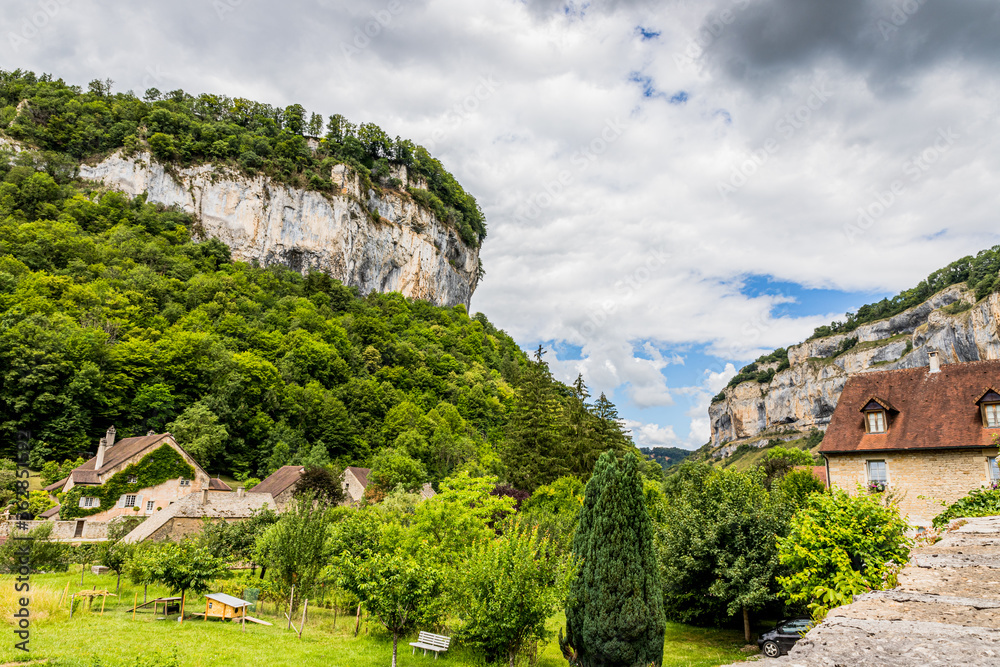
x=355 y=490
x=65 y=531
x=282 y=500
x=161 y=495
x=180 y=527
x=925 y=479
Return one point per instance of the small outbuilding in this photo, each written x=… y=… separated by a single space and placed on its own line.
x=226 y=607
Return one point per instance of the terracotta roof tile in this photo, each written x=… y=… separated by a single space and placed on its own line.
x=932 y=410
x=279 y=481
x=361 y=474
x=115 y=456
x=57 y=486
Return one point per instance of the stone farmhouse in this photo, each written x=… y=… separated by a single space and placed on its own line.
x=188 y=515
x=928 y=433
x=281 y=485
x=114 y=461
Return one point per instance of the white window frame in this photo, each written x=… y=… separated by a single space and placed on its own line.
x=994 y=470
x=185 y=482
x=132 y=479
x=881 y=421
x=149 y=505
x=131 y=503
x=991 y=415
x=868 y=471
x=88 y=502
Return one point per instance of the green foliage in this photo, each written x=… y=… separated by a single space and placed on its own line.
x=238 y=133
x=200 y=431
x=323 y=484
x=751 y=372
x=160 y=465
x=778 y=461
x=181 y=567
x=979 y=502
x=42 y=554
x=554 y=509
x=615 y=613
x=114 y=555
x=796 y=486
x=718 y=543
x=666 y=456
x=400 y=591
x=38 y=502
x=296 y=548
x=235 y=542
x=512 y=586
x=839 y=545
x=392 y=468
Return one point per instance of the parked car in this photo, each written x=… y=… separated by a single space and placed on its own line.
x=783 y=637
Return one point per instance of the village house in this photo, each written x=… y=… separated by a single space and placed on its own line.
x=281 y=485
x=114 y=458
x=928 y=434
x=188 y=515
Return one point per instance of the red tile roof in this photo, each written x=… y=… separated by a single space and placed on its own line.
x=279 y=481
x=361 y=474
x=930 y=410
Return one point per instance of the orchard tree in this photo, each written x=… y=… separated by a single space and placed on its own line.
x=402 y=593
x=297 y=548
x=615 y=615
x=512 y=586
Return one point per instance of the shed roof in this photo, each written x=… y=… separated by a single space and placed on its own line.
x=228 y=599
x=51 y=512
x=279 y=481
x=931 y=410
x=56 y=486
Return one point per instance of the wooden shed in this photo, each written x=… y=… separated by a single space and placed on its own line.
x=226 y=607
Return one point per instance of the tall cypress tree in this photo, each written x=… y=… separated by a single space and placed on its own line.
x=615 y=615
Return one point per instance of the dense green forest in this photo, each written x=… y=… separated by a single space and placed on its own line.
x=178 y=128
x=666 y=456
x=111 y=314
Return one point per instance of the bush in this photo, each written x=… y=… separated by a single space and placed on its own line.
x=979 y=502
x=43 y=554
x=839 y=546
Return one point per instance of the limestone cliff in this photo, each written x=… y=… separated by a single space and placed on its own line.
x=375 y=242
x=804 y=395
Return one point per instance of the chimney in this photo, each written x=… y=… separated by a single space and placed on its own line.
x=935 y=362
x=240 y=491
x=100 y=454
x=204 y=496
x=110 y=437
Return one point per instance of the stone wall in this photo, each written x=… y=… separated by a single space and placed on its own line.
x=937 y=475
x=180 y=527
x=65 y=531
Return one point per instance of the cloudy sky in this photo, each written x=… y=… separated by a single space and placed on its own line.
x=671 y=188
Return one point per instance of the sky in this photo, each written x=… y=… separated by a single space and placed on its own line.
x=671 y=188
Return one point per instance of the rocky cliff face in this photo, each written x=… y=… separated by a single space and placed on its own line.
x=407 y=250
x=803 y=396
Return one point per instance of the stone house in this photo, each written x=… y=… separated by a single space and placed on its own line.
x=188 y=515
x=928 y=433
x=280 y=485
x=113 y=458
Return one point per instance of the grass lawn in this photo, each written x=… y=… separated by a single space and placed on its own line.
x=91 y=640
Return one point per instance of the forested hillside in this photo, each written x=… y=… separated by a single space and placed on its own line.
x=111 y=314
x=183 y=129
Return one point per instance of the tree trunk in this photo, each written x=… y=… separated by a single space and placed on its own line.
x=395 y=639
x=746 y=624
x=357 y=626
x=118 y=585
x=263 y=569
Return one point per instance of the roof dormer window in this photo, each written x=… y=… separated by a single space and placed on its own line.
x=876 y=415
x=875 y=421
x=989 y=406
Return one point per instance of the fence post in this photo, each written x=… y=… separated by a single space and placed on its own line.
x=291 y=599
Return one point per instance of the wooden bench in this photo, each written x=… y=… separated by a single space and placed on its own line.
x=430 y=642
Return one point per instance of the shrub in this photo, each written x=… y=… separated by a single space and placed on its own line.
x=979 y=502
x=839 y=546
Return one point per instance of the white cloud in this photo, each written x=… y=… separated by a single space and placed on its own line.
x=607 y=228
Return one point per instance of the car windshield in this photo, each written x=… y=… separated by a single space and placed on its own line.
x=795 y=627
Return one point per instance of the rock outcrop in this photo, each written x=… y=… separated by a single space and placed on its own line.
x=375 y=242
x=804 y=395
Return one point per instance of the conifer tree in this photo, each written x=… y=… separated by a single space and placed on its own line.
x=533 y=451
x=615 y=616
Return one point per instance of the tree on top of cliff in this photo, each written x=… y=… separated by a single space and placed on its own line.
x=244 y=134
